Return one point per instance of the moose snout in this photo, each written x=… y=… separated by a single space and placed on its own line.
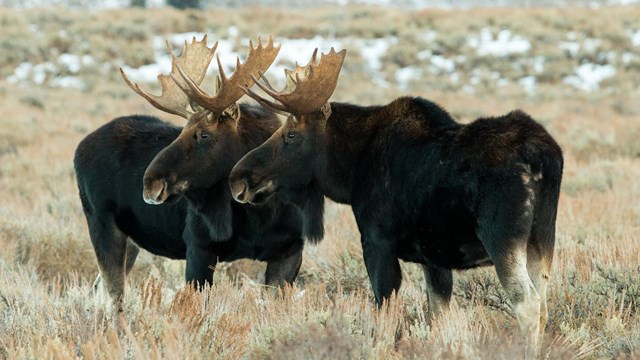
x=239 y=190
x=155 y=191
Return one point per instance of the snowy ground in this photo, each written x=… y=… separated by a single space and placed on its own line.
x=65 y=71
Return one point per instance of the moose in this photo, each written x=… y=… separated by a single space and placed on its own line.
x=180 y=206
x=423 y=188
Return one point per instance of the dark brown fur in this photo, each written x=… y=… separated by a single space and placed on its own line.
x=201 y=223
x=426 y=189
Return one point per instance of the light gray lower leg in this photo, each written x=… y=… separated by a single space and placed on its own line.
x=439 y=283
x=514 y=277
x=539 y=269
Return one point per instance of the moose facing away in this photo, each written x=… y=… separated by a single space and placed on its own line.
x=423 y=188
x=188 y=169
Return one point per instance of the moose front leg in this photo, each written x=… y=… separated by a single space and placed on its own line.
x=383 y=267
x=200 y=266
x=284 y=269
x=201 y=260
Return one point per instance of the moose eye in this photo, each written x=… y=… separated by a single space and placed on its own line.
x=291 y=135
x=204 y=135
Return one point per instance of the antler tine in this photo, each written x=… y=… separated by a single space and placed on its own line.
x=223 y=77
x=258 y=59
x=264 y=85
x=187 y=85
x=169 y=100
x=196 y=57
x=264 y=102
x=311 y=86
x=193 y=64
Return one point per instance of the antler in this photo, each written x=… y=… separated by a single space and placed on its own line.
x=193 y=61
x=228 y=90
x=308 y=88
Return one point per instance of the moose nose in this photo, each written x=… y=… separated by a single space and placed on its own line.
x=155 y=192
x=239 y=191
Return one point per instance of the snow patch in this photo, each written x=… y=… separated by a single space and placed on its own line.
x=439 y=64
x=371 y=50
x=74 y=62
x=538 y=64
x=634 y=36
x=502 y=45
x=233 y=31
x=571 y=47
x=29 y=73
x=67 y=82
x=529 y=84
x=442 y=63
x=627 y=57
x=406 y=76
x=588 y=76
x=48 y=72
x=428 y=36
x=591 y=45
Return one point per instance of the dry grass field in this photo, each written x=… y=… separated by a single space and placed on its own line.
x=47 y=264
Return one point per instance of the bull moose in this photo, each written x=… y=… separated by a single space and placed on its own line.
x=187 y=171
x=423 y=188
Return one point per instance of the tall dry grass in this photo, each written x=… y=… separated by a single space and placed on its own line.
x=47 y=265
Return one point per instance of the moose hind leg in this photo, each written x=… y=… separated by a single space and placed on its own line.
x=505 y=226
x=110 y=246
x=285 y=269
x=439 y=288
x=539 y=269
x=511 y=268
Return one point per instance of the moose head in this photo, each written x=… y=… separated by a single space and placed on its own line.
x=288 y=159
x=208 y=146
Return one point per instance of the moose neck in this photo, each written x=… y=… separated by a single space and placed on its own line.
x=347 y=133
x=352 y=130
x=212 y=204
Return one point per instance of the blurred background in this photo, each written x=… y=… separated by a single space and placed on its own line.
x=574 y=66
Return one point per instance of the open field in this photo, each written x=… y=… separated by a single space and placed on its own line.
x=577 y=71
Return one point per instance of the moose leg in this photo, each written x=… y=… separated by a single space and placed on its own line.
x=132 y=255
x=383 y=267
x=283 y=270
x=201 y=263
x=539 y=269
x=514 y=277
x=540 y=251
x=110 y=246
x=509 y=254
x=505 y=225
x=439 y=288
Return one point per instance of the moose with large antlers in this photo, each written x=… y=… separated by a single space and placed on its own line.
x=423 y=188
x=186 y=170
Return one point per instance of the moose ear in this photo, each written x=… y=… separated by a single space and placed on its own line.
x=232 y=112
x=326 y=110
